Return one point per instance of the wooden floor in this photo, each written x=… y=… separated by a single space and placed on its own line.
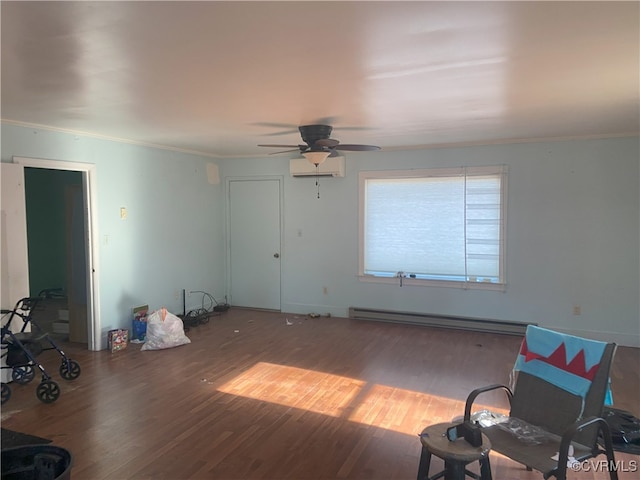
x=263 y=395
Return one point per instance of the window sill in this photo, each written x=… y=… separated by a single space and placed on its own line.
x=496 y=287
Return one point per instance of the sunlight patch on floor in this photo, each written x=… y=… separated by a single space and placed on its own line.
x=309 y=390
x=398 y=409
x=389 y=408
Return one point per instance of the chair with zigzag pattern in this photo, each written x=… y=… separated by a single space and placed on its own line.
x=556 y=404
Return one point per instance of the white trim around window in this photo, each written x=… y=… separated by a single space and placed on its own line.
x=434 y=227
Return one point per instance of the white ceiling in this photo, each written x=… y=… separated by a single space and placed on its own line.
x=221 y=77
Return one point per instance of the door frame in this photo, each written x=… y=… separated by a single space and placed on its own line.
x=89 y=191
x=228 y=181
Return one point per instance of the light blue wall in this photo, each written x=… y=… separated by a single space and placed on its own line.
x=172 y=236
x=572 y=236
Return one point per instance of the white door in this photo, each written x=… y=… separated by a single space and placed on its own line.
x=14 y=281
x=254 y=243
x=15 y=262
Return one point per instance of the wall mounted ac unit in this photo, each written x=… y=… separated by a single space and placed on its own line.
x=331 y=167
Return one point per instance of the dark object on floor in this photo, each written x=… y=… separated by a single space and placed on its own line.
x=36 y=462
x=200 y=316
x=12 y=439
x=625 y=430
x=194 y=318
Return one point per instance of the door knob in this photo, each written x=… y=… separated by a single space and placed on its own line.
x=276 y=255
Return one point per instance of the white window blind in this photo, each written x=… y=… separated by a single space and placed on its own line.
x=439 y=225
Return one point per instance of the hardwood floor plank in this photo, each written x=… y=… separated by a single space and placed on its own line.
x=253 y=398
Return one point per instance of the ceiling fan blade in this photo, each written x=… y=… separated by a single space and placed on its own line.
x=279 y=134
x=275 y=125
x=327 y=142
x=357 y=148
x=283 y=146
x=285 y=151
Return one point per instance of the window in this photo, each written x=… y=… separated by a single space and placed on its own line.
x=434 y=227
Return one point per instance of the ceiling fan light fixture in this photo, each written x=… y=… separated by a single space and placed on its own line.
x=316 y=158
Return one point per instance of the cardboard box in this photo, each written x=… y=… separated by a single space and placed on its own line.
x=118 y=339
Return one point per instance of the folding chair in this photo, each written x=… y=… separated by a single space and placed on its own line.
x=561 y=383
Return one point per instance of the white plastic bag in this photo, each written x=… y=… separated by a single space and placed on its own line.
x=164 y=330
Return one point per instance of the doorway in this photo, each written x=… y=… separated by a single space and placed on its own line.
x=254 y=242
x=57 y=253
x=79 y=250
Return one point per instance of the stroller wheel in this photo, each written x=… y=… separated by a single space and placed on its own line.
x=23 y=374
x=6 y=393
x=70 y=369
x=48 y=391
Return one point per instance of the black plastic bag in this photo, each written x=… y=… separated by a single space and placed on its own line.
x=625 y=430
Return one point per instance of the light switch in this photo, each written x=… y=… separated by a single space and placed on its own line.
x=123 y=213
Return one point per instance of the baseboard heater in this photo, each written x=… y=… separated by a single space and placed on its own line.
x=440 y=321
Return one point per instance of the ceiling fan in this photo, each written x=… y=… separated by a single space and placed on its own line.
x=318 y=146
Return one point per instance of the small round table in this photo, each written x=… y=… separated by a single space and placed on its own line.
x=456 y=455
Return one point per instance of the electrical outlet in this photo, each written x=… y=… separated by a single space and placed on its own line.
x=577 y=310
x=325 y=290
